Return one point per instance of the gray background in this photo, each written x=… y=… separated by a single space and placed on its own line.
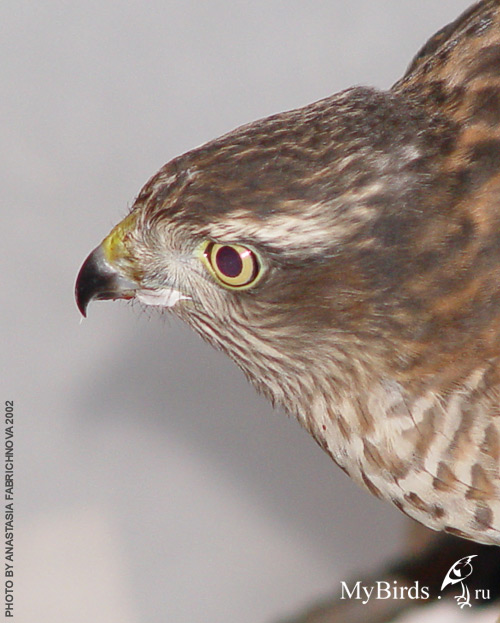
x=152 y=484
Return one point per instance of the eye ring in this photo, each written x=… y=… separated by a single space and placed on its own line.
x=233 y=266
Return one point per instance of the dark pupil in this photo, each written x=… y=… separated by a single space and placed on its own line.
x=229 y=262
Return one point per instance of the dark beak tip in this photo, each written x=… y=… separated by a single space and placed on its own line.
x=82 y=307
x=98 y=280
x=93 y=279
x=83 y=291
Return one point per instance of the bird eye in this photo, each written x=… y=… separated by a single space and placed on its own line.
x=232 y=265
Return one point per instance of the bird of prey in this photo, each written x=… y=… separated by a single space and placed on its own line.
x=346 y=256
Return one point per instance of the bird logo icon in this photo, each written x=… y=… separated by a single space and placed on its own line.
x=458 y=573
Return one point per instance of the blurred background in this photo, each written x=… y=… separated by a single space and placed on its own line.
x=151 y=483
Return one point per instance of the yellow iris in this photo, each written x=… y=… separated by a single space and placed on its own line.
x=232 y=265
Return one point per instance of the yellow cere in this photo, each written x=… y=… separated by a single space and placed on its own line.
x=113 y=245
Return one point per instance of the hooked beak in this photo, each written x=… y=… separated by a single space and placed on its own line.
x=111 y=272
x=97 y=279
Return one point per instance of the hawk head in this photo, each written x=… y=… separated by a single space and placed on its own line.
x=286 y=242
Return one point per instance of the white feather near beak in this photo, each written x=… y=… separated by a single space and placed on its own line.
x=165 y=297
